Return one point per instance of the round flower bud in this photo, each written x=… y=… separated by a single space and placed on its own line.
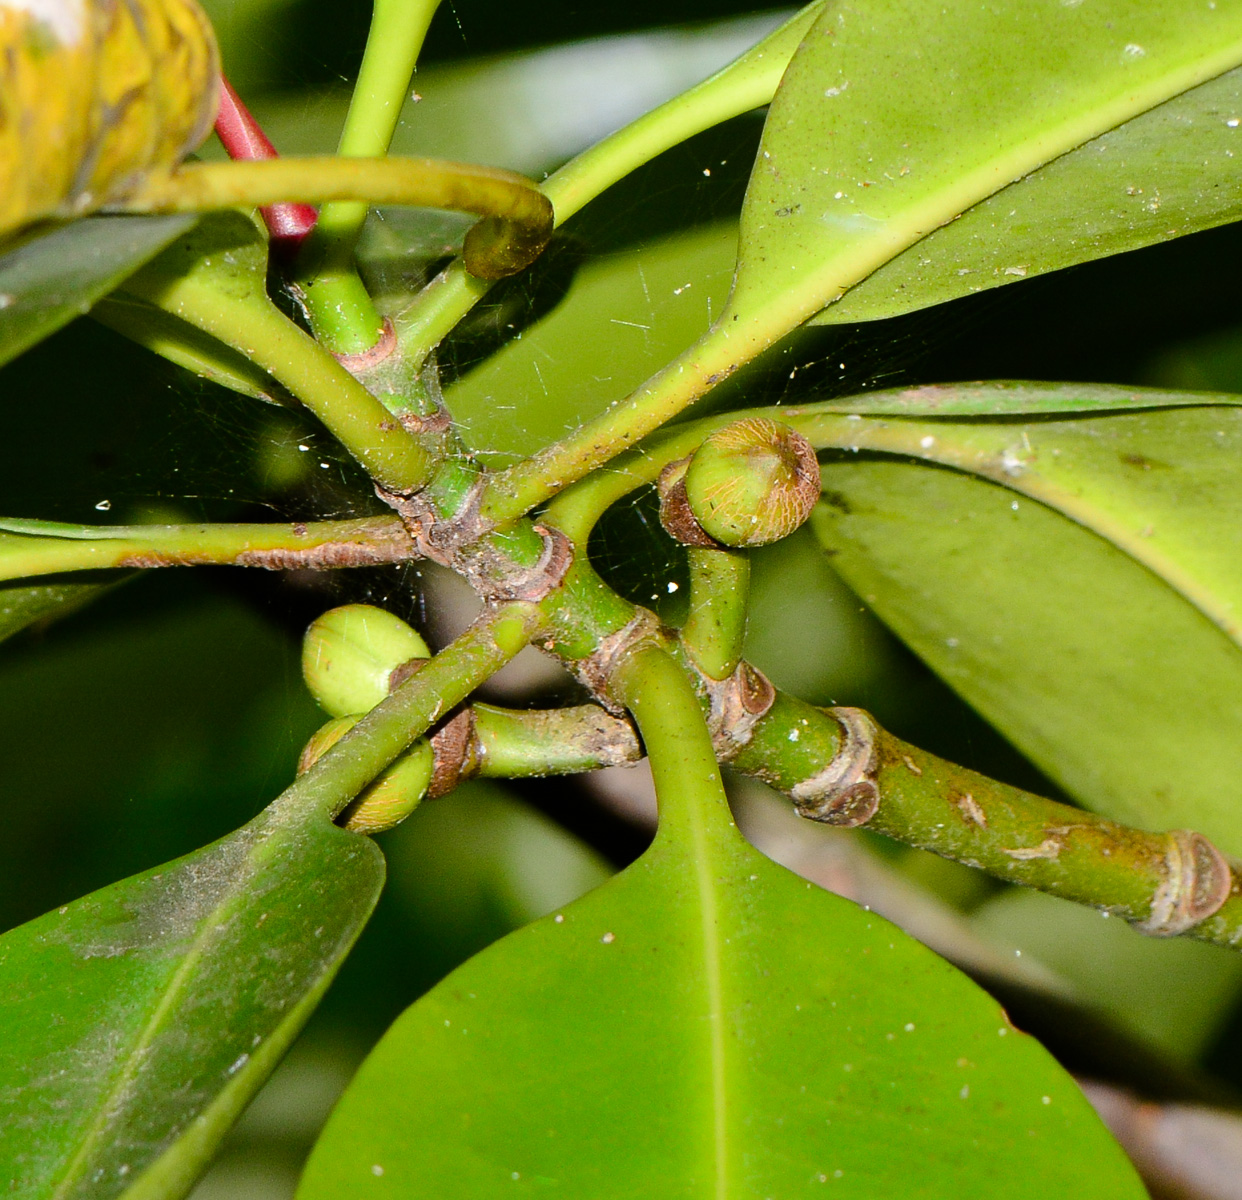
x=393 y=796
x=752 y=483
x=349 y=656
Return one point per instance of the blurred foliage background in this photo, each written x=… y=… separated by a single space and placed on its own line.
x=169 y=711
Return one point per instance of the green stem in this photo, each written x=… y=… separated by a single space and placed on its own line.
x=396 y=723
x=719 y=594
x=519 y=488
x=517 y=216
x=657 y=690
x=31 y=548
x=340 y=309
x=253 y=325
x=748 y=82
x=840 y=768
x=517 y=744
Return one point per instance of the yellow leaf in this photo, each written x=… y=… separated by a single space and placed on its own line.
x=95 y=96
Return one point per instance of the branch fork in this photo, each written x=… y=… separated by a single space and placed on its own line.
x=461 y=544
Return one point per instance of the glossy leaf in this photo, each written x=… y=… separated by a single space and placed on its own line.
x=1173 y=993
x=707 y=1024
x=1098 y=670
x=868 y=149
x=624 y=316
x=1164 y=174
x=97 y=96
x=141 y=1019
x=50 y=278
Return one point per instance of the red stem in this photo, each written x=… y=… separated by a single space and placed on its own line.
x=239 y=133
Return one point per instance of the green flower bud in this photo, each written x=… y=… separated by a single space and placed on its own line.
x=393 y=796
x=752 y=483
x=349 y=655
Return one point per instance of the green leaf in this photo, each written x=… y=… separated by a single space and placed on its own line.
x=624 y=316
x=1097 y=669
x=1164 y=174
x=894 y=119
x=141 y=1019
x=23 y=605
x=50 y=278
x=1162 y=485
x=706 y=1024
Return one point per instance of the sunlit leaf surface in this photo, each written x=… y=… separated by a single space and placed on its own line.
x=708 y=1025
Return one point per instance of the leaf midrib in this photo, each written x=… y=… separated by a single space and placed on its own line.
x=212 y=926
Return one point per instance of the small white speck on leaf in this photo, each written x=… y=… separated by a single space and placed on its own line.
x=608 y=939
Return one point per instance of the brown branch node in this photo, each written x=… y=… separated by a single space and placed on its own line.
x=844 y=792
x=1196 y=883
x=460 y=544
x=595 y=671
x=456 y=754
x=678 y=520
x=738 y=704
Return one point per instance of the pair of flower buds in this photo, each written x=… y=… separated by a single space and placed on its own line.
x=352 y=657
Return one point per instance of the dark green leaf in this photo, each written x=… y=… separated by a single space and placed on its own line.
x=707 y=1024
x=141 y=1019
x=893 y=120
x=1162 y=485
x=22 y=605
x=181 y=343
x=50 y=278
